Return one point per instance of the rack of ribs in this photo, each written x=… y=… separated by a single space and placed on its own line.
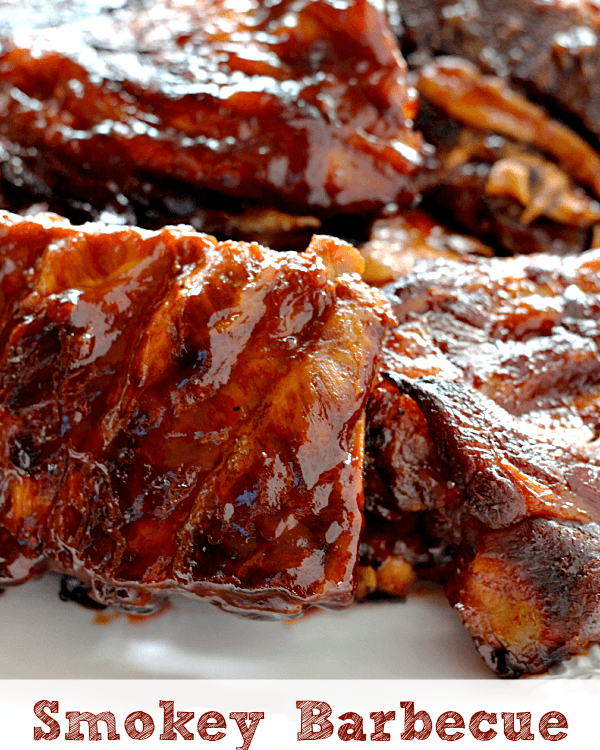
x=182 y=415
x=179 y=415
x=156 y=111
x=483 y=464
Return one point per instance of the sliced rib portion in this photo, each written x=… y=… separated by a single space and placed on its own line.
x=527 y=579
x=179 y=415
x=482 y=430
x=167 y=108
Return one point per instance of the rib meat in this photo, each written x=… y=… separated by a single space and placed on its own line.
x=504 y=169
x=483 y=438
x=550 y=49
x=175 y=109
x=269 y=226
x=179 y=415
x=397 y=243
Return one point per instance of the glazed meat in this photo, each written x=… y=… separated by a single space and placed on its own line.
x=149 y=111
x=550 y=49
x=504 y=169
x=269 y=226
x=179 y=415
x=397 y=243
x=482 y=443
x=527 y=579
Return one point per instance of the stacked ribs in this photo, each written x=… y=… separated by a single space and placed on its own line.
x=197 y=414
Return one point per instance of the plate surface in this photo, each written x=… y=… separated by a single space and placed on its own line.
x=43 y=637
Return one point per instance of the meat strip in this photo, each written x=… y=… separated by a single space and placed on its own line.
x=179 y=415
x=504 y=169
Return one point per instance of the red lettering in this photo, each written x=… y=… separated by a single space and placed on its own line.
x=550 y=721
x=310 y=719
x=524 y=732
x=410 y=731
x=475 y=726
x=75 y=718
x=450 y=720
x=52 y=724
x=209 y=721
x=170 y=724
x=381 y=720
x=247 y=732
x=352 y=731
x=147 y=725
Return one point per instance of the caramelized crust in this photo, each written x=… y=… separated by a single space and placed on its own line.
x=155 y=108
x=530 y=596
x=182 y=416
x=527 y=581
x=484 y=429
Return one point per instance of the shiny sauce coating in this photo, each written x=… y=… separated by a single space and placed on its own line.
x=182 y=415
x=296 y=104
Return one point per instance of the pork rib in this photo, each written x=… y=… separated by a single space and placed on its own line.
x=183 y=416
x=172 y=108
x=482 y=443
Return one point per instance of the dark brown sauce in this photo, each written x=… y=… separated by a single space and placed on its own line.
x=302 y=107
x=183 y=416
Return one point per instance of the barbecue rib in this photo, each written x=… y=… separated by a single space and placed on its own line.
x=181 y=110
x=179 y=415
x=550 y=49
x=504 y=170
x=482 y=444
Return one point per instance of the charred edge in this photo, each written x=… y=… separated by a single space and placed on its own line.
x=73 y=590
x=402 y=384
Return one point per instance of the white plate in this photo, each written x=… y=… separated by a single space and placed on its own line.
x=42 y=637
